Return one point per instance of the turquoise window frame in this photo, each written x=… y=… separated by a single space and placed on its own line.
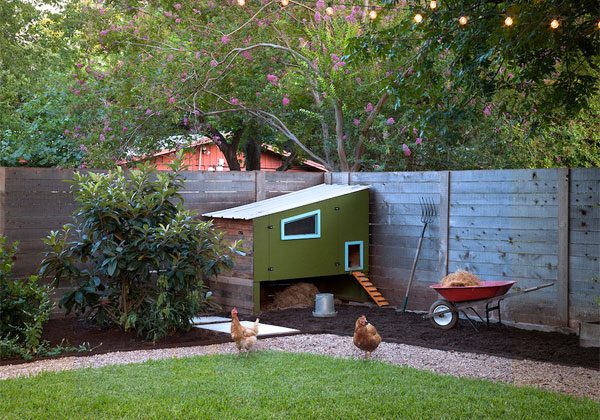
x=362 y=253
x=317 y=234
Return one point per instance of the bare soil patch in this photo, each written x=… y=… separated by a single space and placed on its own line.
x=408 y=328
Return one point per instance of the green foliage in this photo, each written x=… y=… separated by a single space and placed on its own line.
x=25 y=307
x=277 y=385
x=137 y=257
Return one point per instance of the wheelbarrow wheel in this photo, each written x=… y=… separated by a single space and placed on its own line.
x=446 y=320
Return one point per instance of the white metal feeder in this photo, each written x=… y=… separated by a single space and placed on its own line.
x=324 y=305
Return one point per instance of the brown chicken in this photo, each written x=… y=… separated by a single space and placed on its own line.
x=366 y=337
x=244 y=337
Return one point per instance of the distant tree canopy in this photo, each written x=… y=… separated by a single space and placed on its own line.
x=323 y=81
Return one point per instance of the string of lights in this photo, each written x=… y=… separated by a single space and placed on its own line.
x=463 y=19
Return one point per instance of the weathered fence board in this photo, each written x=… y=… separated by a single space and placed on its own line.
x=501 y=225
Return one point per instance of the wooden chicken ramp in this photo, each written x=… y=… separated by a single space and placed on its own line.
x=364 y=281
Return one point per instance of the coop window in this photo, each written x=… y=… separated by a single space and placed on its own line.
x=353 y=255
x=303 y=226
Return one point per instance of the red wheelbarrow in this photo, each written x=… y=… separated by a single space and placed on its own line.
x=444 y=312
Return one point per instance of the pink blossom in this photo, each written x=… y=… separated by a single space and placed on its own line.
x=369 y=107
x=487 y=111
x=178 y=20
x=104 y=32
x=124 y=129
x=186 y=122
x=83 y=148
x=148 y=111
x=225 y=39
x=102 y=138
x=66 y=132
x=168 y=14
x=234 y=101
x=177 y=6
x=335 y=57
x=338 y=65
x=358 y=81
x=197 y=54
x=214 y=63
x=79 y=65
x=406 y=149
x=285 y=101
x=76 y=91
x=419 y=140
x=356 y=122
x=272 y=79
x=415 y=132
x=320 y=4
x=317 y=16
x=170 y=57
x=390 y=121
x=102 y=10
x=172 y=100
x=247 y=55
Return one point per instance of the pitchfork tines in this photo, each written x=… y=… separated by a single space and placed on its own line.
x=428 y=213
x=428 y=210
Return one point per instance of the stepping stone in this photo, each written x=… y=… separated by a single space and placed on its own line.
x=209 y=319
x=263 y=329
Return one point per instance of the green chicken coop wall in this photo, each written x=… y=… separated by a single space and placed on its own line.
x=343 y=219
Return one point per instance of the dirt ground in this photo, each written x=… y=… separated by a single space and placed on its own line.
x=394 y=327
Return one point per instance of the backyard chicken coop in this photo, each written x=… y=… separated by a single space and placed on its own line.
x=317 y=232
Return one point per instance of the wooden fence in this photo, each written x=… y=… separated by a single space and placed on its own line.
x=533 y=226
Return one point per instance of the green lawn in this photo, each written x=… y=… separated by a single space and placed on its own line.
x=275 y=385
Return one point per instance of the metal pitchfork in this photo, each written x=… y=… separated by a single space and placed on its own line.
x=428 y=213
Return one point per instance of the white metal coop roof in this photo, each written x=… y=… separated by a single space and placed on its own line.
x=286 y=202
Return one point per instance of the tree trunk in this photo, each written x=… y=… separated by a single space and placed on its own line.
x=339 y=136
x=252 y=153
x=288 y=161
x=364 y=131
x=229 y=150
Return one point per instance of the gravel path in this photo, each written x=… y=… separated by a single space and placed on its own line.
x=565 y=379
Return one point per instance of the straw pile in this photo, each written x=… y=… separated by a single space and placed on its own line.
x=460 y=278
x=299 y=295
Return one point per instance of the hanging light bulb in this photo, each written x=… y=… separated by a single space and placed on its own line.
x=418 y=18
x=554 y=24
x=285 y=2
x=372 y=14
x=463 y=20
x=508 y=21
x=329 y=10
x=241 y=2
x=432 y=4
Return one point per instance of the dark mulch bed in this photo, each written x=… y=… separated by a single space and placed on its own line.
x=395 y=327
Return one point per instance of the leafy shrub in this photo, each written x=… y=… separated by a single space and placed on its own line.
x=25 y=307
x=137 y=257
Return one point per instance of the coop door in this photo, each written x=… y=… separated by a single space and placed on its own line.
x=353 y=255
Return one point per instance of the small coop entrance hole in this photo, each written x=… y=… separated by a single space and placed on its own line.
x=354 y=255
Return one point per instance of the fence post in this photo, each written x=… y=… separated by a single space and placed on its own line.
x=259 y=186
x=562 y=280
x=444 y=213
